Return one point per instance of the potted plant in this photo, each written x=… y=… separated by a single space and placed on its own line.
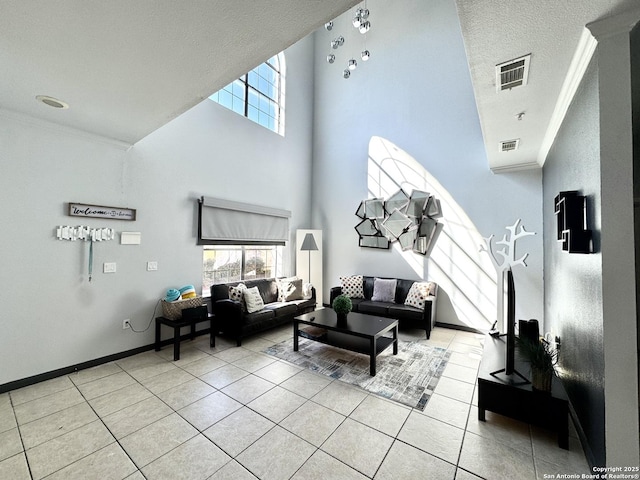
x=542 y=359
x=342 y=306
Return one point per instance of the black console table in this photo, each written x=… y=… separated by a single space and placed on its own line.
x=184 y=322
x=513 y=397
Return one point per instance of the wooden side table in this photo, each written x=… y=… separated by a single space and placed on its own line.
x=184 y=322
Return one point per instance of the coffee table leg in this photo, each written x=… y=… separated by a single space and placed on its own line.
x=395 y=340
x=372 y=358
x=295 y=336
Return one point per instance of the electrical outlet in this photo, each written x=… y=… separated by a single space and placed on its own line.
x=126 y=323
x=152 y=266
x=109 y=267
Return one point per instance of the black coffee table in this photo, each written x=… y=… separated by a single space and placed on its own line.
x=361 y=333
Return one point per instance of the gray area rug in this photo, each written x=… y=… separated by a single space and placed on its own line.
x=409 y=377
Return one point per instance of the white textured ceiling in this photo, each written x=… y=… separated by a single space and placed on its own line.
x=128 y=67
x=496 y=31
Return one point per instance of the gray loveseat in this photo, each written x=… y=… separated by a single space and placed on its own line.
x=232 y=318
x=408 y=316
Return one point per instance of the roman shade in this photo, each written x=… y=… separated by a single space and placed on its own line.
x=226 y=222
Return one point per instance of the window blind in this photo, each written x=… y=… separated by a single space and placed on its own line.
x=227 y=222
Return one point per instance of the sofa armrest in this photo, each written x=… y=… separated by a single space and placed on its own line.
x=430 y=310
x=228 y=312
x=335 y=291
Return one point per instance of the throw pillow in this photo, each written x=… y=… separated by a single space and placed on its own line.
x=352 y=286
x=384 y=290
x=295 y=291
x=307 y=291
x=237 y=294
x=285 y=287
x=253 y=300
x=417 y=295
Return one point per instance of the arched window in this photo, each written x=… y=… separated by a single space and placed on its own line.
x=258 y=95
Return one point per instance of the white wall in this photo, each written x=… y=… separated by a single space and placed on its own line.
x=416 y=93
x=51 y=316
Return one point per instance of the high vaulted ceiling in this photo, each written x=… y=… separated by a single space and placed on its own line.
x=128 y=67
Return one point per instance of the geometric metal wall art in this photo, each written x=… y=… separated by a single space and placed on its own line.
x=411 y=220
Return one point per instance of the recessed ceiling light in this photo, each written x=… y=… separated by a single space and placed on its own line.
x=52 y=102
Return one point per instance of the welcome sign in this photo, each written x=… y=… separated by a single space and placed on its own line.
x=99 y=211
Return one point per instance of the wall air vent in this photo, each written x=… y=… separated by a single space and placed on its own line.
x=513 y=73
x=509 y=145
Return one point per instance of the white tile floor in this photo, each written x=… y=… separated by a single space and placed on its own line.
x=235 y=413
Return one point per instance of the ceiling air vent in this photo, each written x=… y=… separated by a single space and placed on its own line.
x=513 y=73
x=509 y=145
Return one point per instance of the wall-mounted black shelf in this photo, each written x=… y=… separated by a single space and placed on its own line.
x=571 y=219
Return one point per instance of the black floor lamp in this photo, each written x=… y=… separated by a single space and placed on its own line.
x=309 y=245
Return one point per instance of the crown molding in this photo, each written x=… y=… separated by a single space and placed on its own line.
x=516 y=167
x=577 y=68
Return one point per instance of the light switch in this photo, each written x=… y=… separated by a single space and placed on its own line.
x=109 y=267
x=152 y=266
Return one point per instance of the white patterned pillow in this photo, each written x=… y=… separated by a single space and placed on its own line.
x=237 y=294
x=307 y=291
x=253 y=300
x=285 y=287
x=418 y=294
x=294 y=291
x=352 y=286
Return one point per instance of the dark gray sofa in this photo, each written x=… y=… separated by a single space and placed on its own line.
x=231 y=320
x=407 y=315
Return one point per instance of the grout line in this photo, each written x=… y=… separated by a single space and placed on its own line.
x=222 y=348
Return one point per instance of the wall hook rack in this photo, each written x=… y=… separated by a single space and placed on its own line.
x=86 y=234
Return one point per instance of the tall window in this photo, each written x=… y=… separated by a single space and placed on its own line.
x=233 y=263
x=258 y=95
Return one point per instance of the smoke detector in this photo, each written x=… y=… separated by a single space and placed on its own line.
x=513 y=73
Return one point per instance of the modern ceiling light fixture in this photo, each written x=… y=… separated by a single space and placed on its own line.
x=357 y=19
x=363 y=25
x=52 y=102
x=337 y=42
